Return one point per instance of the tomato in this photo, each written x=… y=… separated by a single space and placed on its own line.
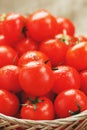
x=66 y=77
x=9 y=78
x=24 y=45
x=41 y=25
x=76 y=56
x=7 y=56
x=55 y=50
x=9 y=103
x=33 y=56
x=36 y=79
x=83 y=76
x=67 y=39
x=82 y=38
x=13 y=26
x=38 y=109
x=70 y=102
x=3 y=40
x=65 y=24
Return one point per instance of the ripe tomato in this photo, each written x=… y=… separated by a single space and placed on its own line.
x=76 y=56
x=82 y=38
x=9 y=78
x=65 y=24
x=55 y=50
x=36 y=79
x=13 y=26
x=38 y=109
x=3 y=40
x=7 y=56
x=41 y=25
x=67 y=39
x=70 y=102
x=33 y=56
x=83 y=76
x=9 y=103
x=66 y=77
x=24 y=45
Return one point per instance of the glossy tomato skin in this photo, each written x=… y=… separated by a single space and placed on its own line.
x=44 y=110
x=36 y=79
x=8 y=56
x=83 y=76
x=41 y=25
x=33 y=56
x=55 y=50
x=70 y=100
x=9 y=103
x=3 y=40
x=13 y=25
x=24 y=45
x=65 y=24
x=76 y=56
x=9 y=78
x=66 y=77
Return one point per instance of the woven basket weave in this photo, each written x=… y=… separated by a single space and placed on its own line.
x=77 y=122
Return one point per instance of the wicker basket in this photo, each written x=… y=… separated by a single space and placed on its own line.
x=77 y=122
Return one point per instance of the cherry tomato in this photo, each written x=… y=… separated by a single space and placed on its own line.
x=9 y=78
x=13 y=26
x=70 y=102
x=76 y=56
x=9 y=103
x=7 y=56
x=33 y=56
x=38 y=109
x=65 y=24
x=83 y=76
x=24 y=45
x=41 y=25
x=66 y=77
x=36 y=79
x=55 y=50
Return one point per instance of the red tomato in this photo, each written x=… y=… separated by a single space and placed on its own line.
x=76 y=56
x=9 y=103
x=82 y=38
x=65 y=24
x=41 y=25
x=55 y=50
x=38 y=109
x=67 y=39
x=36 y=79
x=9 y=78
x=33 y=56
x=13 y=26
x=7 y=56
x=83 y=76
x=70 y=102
x=24 y=45
x=3 y=40
x=66 y=77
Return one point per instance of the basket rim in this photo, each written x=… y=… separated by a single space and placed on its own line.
x=80 y=116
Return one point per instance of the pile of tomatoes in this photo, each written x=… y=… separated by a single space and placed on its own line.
x=43 y=67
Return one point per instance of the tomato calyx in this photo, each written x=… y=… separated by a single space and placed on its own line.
x=46 y=61
x=55 y=68
x=76 y=112
x=24 y=31
x=34 y=102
